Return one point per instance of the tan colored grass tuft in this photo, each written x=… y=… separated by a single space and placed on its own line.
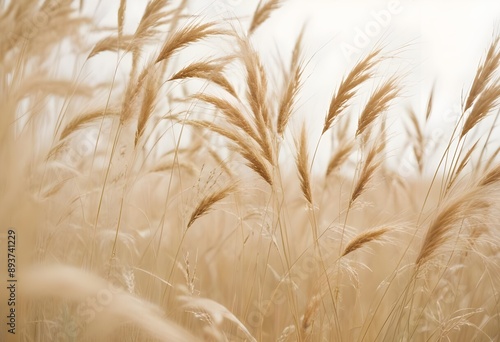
x=208 y=201
x=258 y=275
x=221 y=162
x=190 y=168
x=484 y=73
x=256 y=80
x=85 y=119
x=302 y=162
x=439 y=230
x=262 y=13
x=340 y=156
x=191 y=33
x=463 y=163
x=256 y=95
x=244 y=146
x=491 y=159
x=256 y=163
x=378 y=103
x=151 y=19
x=491 y=178
x=112 y=43
x=430 y=102
x=231 y=113
x=70 y=284
x=419 y=143
x=362 y=72
x=132 y=95
x=370 y=166
x=363 y=238
x=40 y=84
x=151 y=89
x=468 y=205
x=311 y=309
x=121 y=16
x=292 y=88
x=485 y=103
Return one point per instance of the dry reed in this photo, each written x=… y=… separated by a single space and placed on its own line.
x=263 y=12
x=363 y=238
x=104 y=181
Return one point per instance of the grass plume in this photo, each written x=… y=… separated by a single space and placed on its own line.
x=362 y=72
x=263 y=12
x=127 y=148
x=363 y=238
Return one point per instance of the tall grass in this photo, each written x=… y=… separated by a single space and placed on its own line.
x=153 y=199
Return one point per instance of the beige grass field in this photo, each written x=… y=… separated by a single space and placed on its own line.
x=162 y=184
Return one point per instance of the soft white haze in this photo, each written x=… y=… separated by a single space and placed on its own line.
x=429 y=41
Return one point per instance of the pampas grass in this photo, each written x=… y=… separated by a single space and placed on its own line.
x=362 y=72
x=157 y=202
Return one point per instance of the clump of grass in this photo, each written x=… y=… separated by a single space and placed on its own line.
x=263 y=12
x=362 y=72
x=363 y=238
x=112 y=183
x=208 y=201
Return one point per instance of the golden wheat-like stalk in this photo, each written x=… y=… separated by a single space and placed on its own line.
x=256 y=95
x=231 y=113
x=468 y=205
x=262 y=13
x=419 y=143
x=371 y=164
x=151 y=89
x=252 y=153
x=485 y=103
x=256 y=277
x=311 y=309
x=362 y=72
x=463 y=163
x=292 y=88
x=364 y=238
x=75 y=286
x=191 y=33
x=484 y=73
x=378 y=103
x=340 y=156
x=121 y=16
x=112 y=43
x=302 y=162
x=151 y=19
x=211 y=71
x=491 y=178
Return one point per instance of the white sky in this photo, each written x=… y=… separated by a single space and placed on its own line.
x=440 y=41
x=432 y=40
